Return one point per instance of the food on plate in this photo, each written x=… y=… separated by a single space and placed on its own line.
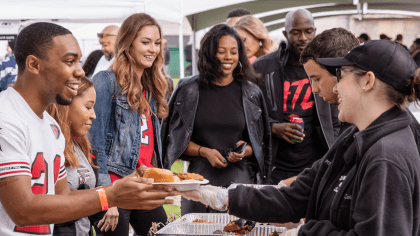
x=275 y=233
x=232 y=227
x=166 y=176
x=159 y=175
x=202 y=221
x=186 y=176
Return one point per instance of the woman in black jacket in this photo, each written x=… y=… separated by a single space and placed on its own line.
x=216 y=111
x=368 y=183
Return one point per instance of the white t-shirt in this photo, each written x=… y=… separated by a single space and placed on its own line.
x=103 y=64
x=29 y=146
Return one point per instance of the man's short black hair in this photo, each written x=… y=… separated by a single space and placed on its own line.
x=238 y=12
x=399 y=37
x=335 y=42
x=36 y=39
x=364 y=36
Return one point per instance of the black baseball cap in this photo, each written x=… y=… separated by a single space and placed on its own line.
x=388 y=60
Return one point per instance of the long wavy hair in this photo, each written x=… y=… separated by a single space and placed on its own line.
x=255 y=27
x=61 y=114
x=124 y=67
x=210 y=68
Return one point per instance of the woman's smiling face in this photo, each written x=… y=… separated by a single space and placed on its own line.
x=81 y=113
x=227 y=54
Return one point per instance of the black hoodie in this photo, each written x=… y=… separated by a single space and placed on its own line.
x=379 y=196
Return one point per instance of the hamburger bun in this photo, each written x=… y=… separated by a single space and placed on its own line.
x=159 y=175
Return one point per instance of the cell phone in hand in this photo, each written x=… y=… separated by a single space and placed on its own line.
x=240 y=148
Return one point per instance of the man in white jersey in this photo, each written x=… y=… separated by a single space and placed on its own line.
x=34 y=193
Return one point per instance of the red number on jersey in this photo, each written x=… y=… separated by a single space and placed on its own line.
x=38 y=167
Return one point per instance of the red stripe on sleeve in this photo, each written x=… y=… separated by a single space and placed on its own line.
x=14 y=172
x=14 y=163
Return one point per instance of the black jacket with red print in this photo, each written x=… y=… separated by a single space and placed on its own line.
x=271 y=66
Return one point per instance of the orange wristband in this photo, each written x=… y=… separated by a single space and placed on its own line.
x=103 y=199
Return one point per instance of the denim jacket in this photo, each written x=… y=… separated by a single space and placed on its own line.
x=116 y=132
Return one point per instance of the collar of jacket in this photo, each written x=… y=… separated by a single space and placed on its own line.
x=189 y=99
x=283 y=53
x=366 y=138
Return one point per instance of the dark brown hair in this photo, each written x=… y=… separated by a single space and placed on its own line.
x=335 y=42
x=210 y=68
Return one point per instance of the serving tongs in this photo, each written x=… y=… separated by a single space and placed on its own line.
x=241 y=223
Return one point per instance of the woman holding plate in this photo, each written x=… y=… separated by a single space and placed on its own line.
x=130 y=101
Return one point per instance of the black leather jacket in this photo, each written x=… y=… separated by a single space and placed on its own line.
x=177 y=128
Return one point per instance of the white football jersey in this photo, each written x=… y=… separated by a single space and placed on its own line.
x=29 y=146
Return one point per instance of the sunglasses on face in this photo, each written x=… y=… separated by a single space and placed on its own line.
x=356 y=71
x=101 y=35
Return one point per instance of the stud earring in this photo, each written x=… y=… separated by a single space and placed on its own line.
x=364 y=88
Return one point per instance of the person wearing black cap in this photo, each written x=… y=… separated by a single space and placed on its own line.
x=368 y=183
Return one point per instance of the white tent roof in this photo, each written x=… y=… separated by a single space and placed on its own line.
x=95 y=10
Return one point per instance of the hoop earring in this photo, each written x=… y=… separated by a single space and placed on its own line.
x=240 y=64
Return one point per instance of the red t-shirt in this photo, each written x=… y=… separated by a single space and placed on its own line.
x=147 y=144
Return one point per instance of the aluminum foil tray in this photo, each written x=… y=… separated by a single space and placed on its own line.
x=209 y=229
x=218 y=218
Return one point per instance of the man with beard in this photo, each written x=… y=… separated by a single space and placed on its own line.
x=303 y=125
x=107 y=40
x=34 y=193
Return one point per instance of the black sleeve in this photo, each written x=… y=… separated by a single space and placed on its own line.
x=268 y=159
x=268 y=204
x=383 y=207
x=165 y=126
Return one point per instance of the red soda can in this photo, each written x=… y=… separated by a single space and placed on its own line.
x=299 y=121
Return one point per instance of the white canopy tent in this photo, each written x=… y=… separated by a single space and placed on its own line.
x=201 y=14
x=92 y=11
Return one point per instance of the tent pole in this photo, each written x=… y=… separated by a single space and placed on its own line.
x=181 y=44
x=181 y=53
x=194 y=55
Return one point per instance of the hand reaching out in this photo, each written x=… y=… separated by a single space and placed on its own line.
x=138 y=193
x=215 y=197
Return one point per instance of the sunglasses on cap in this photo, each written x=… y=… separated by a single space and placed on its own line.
x=356 y=71
x=101 y=35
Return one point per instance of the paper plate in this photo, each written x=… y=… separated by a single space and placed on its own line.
x=184 y=186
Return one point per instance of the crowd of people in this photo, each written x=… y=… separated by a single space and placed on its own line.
x=318 y=116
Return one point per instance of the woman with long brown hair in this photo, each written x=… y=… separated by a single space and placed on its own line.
x=82 y=170
x=130 y=101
